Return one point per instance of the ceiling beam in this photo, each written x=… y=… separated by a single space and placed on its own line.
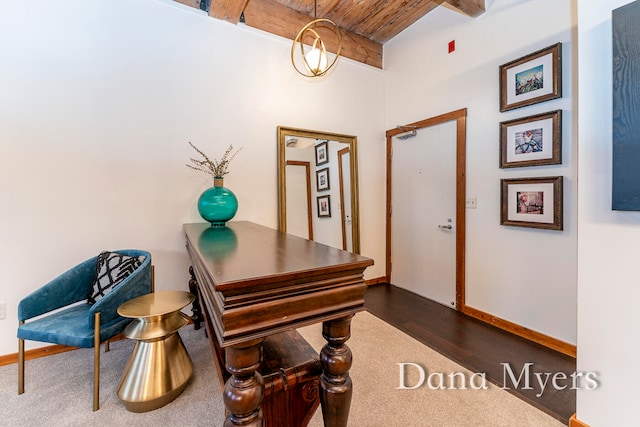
x=192 y=3
x=227 y=10
x=473 y=8
x=274 y=18
x=383 y=19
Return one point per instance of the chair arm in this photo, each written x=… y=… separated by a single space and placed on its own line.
x=136 y=284
x=69 y=287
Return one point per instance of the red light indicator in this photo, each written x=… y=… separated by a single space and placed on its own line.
x=452 y=46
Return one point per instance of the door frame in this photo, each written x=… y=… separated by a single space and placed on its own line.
x=460 y=117
x=344 y=151
x=307 y=166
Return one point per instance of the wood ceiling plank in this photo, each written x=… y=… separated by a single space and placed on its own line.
x=384 y=26
x=304 y=6
x=473 y=8
x=326 y=6
x=351 y=13
x=274 y=18
x=307 y=6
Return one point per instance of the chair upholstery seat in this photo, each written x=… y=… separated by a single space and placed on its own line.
x=69 y=327
x=59 y=312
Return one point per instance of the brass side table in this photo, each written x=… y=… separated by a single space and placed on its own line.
x=159 y=368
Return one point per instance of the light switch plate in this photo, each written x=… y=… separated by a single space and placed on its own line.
x=472 y=202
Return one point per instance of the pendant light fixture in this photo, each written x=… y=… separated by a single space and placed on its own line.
x=314 y=59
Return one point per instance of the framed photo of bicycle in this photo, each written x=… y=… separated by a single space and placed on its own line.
x=534 y=78
x=531 y=141
x=532 y=202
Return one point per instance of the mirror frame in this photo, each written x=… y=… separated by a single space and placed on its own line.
x=351 y=140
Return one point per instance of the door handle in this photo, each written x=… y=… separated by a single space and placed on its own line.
x=445 y=227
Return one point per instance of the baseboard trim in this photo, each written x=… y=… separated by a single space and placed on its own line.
x=35 y=353
x=540 y=338
x=49 y=350
x=376 y=281
x=574 y=422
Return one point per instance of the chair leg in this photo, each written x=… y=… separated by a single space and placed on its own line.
x=21 y=364
x=96 y=363
x=106 y=346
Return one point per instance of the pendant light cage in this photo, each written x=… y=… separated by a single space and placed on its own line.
x=314 y=60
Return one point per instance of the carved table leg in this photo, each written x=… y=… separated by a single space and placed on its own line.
x=196 y=315
x=243 y=392
x=335 y=383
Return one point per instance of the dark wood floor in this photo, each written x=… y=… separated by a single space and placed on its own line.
x=477 y=346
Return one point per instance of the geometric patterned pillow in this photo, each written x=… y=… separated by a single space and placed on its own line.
x=111 y=269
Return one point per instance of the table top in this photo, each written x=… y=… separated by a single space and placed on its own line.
x=155 y=304
x=255 y=281
x=243 y=254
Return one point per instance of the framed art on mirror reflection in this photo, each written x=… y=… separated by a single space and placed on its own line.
x=322 y=155
x=322 y=179
x=324 y=206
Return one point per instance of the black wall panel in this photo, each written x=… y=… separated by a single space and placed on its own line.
x=626 y=107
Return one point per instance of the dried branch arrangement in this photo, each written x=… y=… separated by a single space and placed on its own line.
x=215 y=168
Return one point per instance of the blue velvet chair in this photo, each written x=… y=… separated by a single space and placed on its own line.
x=75 y=320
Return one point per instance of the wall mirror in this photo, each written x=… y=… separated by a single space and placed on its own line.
x=318 y=187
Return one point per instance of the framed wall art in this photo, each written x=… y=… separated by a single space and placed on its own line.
x=322 y=179
x=625 y=67
x=324 y=206
x=532 y=202
x=531 y=141
x=322 y=153
x=534 y=78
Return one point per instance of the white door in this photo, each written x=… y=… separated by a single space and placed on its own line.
x=344 y=157
x=423 y=203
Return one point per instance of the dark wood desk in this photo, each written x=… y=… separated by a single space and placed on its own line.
x=255 y=282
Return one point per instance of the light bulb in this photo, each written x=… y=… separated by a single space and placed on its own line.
x=316 y=59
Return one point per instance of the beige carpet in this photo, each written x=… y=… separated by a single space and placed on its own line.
x=59 y=391
x=377 y=349
x=58 y=388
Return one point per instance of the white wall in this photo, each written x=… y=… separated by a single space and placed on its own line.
x=526 y=276
x=608 y=291
x=99 y=100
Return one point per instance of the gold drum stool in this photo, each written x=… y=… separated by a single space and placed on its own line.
x=159 y=368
